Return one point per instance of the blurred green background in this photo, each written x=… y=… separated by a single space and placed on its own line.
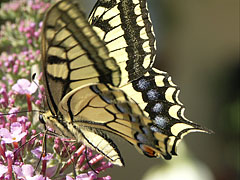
x=198 y=45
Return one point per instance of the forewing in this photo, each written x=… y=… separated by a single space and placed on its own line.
x=72 y=53
x=126 y=28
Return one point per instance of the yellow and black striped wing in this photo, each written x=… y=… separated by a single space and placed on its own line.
x=72 y=53
x=93 y=110
x=157 y=96
x=99 y=79
x=126 y=28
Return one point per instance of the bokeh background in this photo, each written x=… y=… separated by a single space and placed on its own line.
x=198 y=45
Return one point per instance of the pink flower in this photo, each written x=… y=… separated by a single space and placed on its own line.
x=22 y=119
x=84 y=176
x=26 y=172
x=15 y=135
x=23 y=86
x=4 y=100
x=87 y=176
x=38 y=152
x=3 y=170
x=12 y=114
x=69 y=178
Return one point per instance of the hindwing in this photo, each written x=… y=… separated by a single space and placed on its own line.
x=93 y=110
x=157 y=96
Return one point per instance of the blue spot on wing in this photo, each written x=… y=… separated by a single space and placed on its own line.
x=153 y=94
x=143 y=84
x=142 y=138
x=158 y=107
x=160 y=121
x=154 y=128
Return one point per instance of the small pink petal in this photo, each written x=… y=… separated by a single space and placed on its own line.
x=32 y=88
x=23 y=86
x=16 y=128
x=27 y=170
x=17 y=88
x=38 y=151
x=69 y=178
x=20 y=136
x=5 y=132
x=7 y=140
x=3 y=170
x=22 y=119
x=24 y=82
x=37 y=177
x=87 y=176
x=18 y=171
x=51 y=171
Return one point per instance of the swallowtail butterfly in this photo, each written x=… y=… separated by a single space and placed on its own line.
x=99 y=79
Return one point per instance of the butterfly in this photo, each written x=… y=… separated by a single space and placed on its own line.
x=99 y=79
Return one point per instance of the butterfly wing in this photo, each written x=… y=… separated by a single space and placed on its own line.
x=74 y=57
x=157 y=96
x=126 y=28
x=93 y=110
x=72 y=53
x=128 y=23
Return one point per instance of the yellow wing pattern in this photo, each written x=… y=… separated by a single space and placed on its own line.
x=125 y=26
x=72 y=53
x=99 y=79
x=128 y=23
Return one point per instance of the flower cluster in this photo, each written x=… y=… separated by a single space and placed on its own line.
x=14 y=8
x=26 y=150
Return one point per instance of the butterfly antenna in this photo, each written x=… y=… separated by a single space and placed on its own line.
x=34 y=81
x=39 y=91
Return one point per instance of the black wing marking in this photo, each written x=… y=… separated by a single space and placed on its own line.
x=72 y=53
x=157 y=95
x=126 y=28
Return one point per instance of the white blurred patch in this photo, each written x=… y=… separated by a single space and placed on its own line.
x=183 y=167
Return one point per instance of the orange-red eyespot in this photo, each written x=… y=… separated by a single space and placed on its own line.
x=148 y=151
